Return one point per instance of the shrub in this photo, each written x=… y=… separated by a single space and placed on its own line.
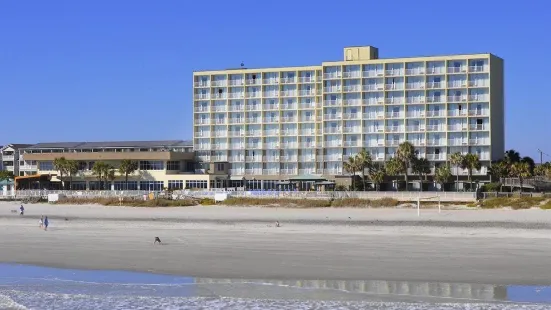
x=384 y=202
x=278 y=202
x=491 y=187
x=129 y=202
x=350 y=203
x=207 y=202
x=515 y=202
x=546 y=206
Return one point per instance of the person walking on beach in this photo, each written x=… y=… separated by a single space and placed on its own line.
x=21 y=210
x=41 y=221
x=46 y=222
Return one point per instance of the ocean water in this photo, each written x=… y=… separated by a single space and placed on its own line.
x=33 y=287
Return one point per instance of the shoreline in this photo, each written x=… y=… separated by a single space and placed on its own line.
x=227 y=242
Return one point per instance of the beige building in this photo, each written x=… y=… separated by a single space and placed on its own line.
x=275 y=123
x=161 y=164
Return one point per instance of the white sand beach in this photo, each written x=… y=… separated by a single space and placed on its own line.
x=470 y=246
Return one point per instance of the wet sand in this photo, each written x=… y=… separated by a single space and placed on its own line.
x=491 y=247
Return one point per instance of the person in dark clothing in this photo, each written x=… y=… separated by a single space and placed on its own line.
x=46 y=223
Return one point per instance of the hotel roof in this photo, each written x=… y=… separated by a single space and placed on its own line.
x=113 y=144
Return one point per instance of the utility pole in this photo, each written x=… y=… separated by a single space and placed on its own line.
x=541 y=156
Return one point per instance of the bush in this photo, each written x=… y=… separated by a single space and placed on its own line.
x=129 y=202
x=350 y=203
x=546 y=206
x=207 y=202
x=491 y=187
x=515 y=203
x=384 y=202
x=278 y=202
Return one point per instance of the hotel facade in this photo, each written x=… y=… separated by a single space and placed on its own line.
x=274 y=123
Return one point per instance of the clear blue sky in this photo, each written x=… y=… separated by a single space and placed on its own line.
x=122 y=70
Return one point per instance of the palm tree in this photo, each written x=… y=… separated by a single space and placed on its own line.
x=126 y=168
x=543 y=170
x=512 y=156
x=351 y=166
x=421 y=166
x=530 y=162
x=456 y=159
x=6 y=175
x=471 y=162
x=394 y=166
x=499 y=170
x=60 y=164
x=521 y=170
x=377 y=176
x=442 y=175
x=406 y=154
x=364 y=162
x=72 y=169
x=101 y=170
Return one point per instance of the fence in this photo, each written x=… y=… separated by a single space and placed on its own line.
x=401 y=196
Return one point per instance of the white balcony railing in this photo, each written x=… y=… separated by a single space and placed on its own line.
x=271 y=132
x=457 y=84
x=372 y=115
x=332 y=102
x=374 y=101
x=417 y=142
x=478 y=141
x=307 y=132
x=399 y=86
x=435 y=99
x=351 y=115
x=418 y=85
x=307 y=79
x=394 y=100
x=236 y=108
x=255 y=133
x=220 y=108
x=288 y=80
x=288 y=132
x=255 y=159
x=271 y=81
x=433 y=113
x=202 y=96
x=433 y=85
x=288 y=171
x=436 y=70
x=201 y=84
x=273 y=171
x=457 y=112
x=483 y=112
x=349 y=129
x=436 y=156
x=479 y=83
x=478 y=69
x=436 y=128
x=352 y=74
x=478 y=127
x=457 y=127
x=253 y=171
x=271 y=94
x=457 y=98
x=220 y=158
x=394 y=72
x=288 y=119
x=394 y=115
x=288 y=93
x=236 y=133
x=415 y=100
x=373 y=87
x=433 y=142
x=457 y=142
x=372 y=73
x=201 y=109
x=271 y=159
x=394 y=128
x=332 y=116
x=478 y=98
x=416 y=114
x=457 y=69
x=416 y=128
x=289 y=106
x=415 y=71
x=237 y=171
x=352 y=88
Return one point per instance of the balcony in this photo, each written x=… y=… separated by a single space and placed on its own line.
x=394 y=128
x=219 y=121
x=271 y=145
x=289 y=158
x=271 y=120
x=373 y=115
x=478 y=69
x=220 y=83
x=237 y=146
x=352 y=88
x=201 y=84
x=253 y=94
x=307 y=79
x=271 y=159
x=457 y=98
x=416 y=128
x=434 y=85
x=334 y=75
x=236 y=133
x=415 y=71
x=288 y=171
x=202 y=121
x=479 y=142
x=311 y=105
x=253 y=107
x=417 y=142
x=433 y=142
x=237 y=82
x=457 y=69
x=307 y=132
x=289 y=119
x=416 y=114
x=355 y=129
x=253 y=133
x=311 y=144
x=253 y=82
x=219 y=146
x=308 y=119
x=332 y=102
x=219 y=158
x=437 y=99
x=374 y=101
x=436 y=70
x=415 y=100
x=234 y=159
x=220 y=134
x=236 y=108
x=271 y=81
x=394 y=72
x=307 y=93
x=289 y=106
x=201 y=109
x=351 y=116
x=373 y=87
x=288 y=80
x=479 y=83
x=352 y=74
x=372 y=73
x=288 y=93
x=394 y=100
x=306 y=158
x=457 y=142
x=307 y=171
x=476 y=127
x=8 y=157
x=289 y=132
x=415 y=85
x=202 y=96
x=436 y=128
x=255 y=159
x=272 y=132
x=333 y=143
x=394 y=115
x=478 y=113
x=334 y=89
x=237 y=171
x=257 y=171
x=334 y=157
x=457 y=84
x=270 y=171
x=394 y=86
x=478 y=98
x=433 y=113
x=270 y=107
x=289 y=145
x=28 y=168
x=271 y=94
x=332 y=171
x=219 y=96
x=332 y=130
x=337 y=116
x=236 y=95
x=220 y=108
x=436 y=156
x=393 y=142
x=202 y=146
x=457 y=127
x=351 y=143
x=457 y=113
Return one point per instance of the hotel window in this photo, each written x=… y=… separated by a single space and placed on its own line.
x=121 y=186
x=175 y=184
x=151 y=185
x=46 y=166
x=151 y=165
x=173 y=165
x=190 y=184
x=220 y=167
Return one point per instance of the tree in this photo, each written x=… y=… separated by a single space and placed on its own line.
x=127 y=167
x=512 y=156
x=521 y=170
x=60 y=164
x=421 y=166
x=72 y=169
x=377 y=176
x=499 y=170
x=456 y=159
x=364 y=161
x=471 y=162
x=530 y=162
x=6 y=175
x=442 y=175
x=394 y=167
x=406 y=154
x=351 y=166
x=102 y=171
x=543 y=170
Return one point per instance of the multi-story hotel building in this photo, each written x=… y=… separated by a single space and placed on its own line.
x=12 y=160
x=272 y=123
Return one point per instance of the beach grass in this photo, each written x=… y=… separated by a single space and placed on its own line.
x=129 y=202
x=516 y=203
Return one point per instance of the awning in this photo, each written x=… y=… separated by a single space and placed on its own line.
x=34 y=176
x=307 y=177
x=237 y=178
x=325 y=183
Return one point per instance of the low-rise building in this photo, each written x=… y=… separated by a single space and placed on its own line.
x=160 y=165
x=11 y=159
